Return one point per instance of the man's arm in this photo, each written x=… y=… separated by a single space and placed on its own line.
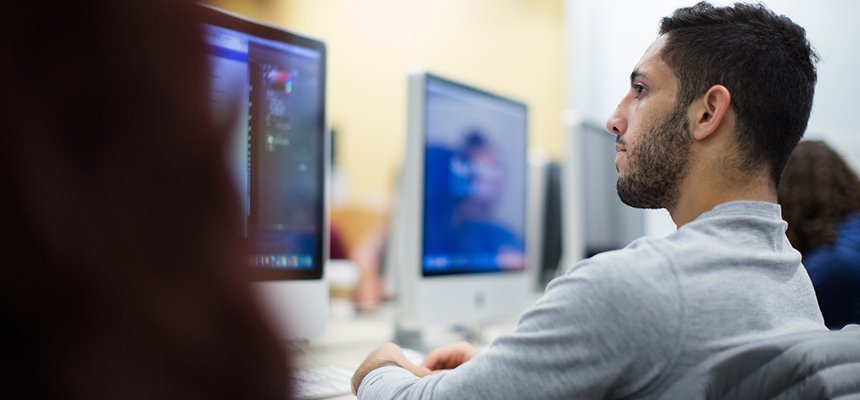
x=590 y=336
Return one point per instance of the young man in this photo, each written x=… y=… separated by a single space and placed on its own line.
x=715 y=107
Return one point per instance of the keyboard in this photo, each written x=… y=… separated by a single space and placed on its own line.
x=319 y=382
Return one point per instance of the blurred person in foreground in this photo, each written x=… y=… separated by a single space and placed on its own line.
x=122 y=262
x=714 y=108
x=820 y=198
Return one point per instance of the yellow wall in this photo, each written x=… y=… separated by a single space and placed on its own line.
x=514 y=47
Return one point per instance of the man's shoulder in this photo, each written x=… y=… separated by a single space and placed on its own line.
x=642 y=254
x=643 y=263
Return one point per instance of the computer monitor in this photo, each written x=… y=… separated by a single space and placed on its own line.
x=459 y=235
x=609 y=224
x=545 y=219
x=268 y=85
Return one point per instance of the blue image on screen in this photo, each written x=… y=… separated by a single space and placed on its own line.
x=474 y=182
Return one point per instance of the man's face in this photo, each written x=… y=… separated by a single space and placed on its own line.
x=652 y=138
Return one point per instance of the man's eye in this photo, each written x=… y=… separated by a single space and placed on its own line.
x=638 y=89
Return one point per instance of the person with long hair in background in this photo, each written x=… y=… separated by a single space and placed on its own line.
x=123 y=270
x=820 y=198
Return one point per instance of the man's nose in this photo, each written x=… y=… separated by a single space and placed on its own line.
x=616 y=125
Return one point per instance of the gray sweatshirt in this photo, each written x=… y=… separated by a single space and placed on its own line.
x=627 y=324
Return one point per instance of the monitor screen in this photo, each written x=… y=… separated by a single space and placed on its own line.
x=268 y=85
x=474 y=214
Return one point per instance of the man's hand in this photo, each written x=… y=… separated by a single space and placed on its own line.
x=449 y=357
x=388 y=354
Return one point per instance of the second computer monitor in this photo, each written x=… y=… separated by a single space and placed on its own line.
x=460 y=228
x=269 y=85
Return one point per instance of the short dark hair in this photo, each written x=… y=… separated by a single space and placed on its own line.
x=765 y=61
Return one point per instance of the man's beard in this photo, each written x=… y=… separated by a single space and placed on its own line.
x=657 y=164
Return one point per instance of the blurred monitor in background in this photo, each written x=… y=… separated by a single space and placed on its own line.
x=459 y=232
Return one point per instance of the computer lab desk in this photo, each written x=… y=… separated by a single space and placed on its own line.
x=351 y=336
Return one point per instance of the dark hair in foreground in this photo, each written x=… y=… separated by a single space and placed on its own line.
x=122 y=264
x=819 y=191
x=763 y=59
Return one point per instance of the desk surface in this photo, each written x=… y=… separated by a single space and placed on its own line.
x=351 y=336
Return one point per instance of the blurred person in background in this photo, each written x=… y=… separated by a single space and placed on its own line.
x=820 y=198
x=123 y=270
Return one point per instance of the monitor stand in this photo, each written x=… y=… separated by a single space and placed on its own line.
x=298 y=309
x=426 y=339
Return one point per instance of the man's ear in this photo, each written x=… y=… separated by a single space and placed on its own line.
x=710 y=111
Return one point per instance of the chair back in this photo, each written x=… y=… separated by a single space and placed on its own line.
x=813 y=365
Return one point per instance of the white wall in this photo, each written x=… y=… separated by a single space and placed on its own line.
x=605 y=39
